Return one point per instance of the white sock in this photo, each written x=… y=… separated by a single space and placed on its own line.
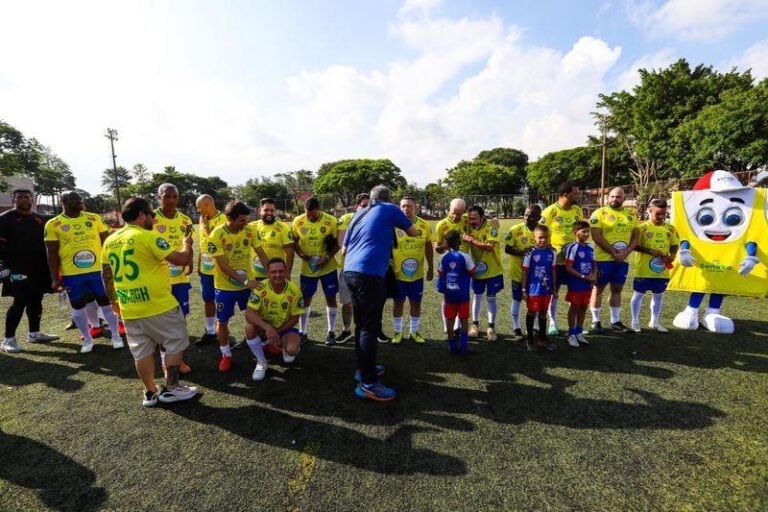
x=111 y=319
x=398 y=323
x=331 y=313
x=80 y=317
x=34 y=334
x=162 y=357
x=92 y=313
x=477 y=304
x=492 y=309
x=210 y=325
x=615 y=314
x=225 y=350
x=456 y=324
x=635 y=305
x=596 y=314
x=515 y=308
x=100 y=311
x=257 y=349
x=656 y=300
x=442 y=313
x=287 y=358
x=304 y=320
x=552 y=311
x=415 y=322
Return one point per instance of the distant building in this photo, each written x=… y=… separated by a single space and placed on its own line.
x=12 y=183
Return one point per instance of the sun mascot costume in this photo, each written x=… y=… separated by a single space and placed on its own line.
x=723 y=237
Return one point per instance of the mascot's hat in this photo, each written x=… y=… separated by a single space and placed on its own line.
x=718 y=181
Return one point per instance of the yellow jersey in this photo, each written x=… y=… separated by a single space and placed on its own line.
x=142 y=282
x=310 y=239
x=79 y=242
x=174 y=230
x=237 y=247
x=207 y=263
x=276 y=308
x=445 y=225
x=519 y=238
x=617 y=227
x=560 y=223
x=342 y=225
x=409 y=255
x=657 y=238
x=274 y=238
x=487 y=263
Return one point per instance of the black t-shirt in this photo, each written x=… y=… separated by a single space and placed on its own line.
x=22 y=248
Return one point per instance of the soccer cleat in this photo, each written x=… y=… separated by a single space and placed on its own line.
x=619 y=327
x=41 y=337
x=518 y=333
x=117 y=343
x=491 y=334
x=149 y=398
x=344 y=337
x=71 y=326
x=288 y=359
x=416 y=338
x=184 y=368
x=330 y=340
x=635 y=327
x=597 y=328
x=382 y=338
x=87 y=347
x=121 y=328
x=397 y=338
x=376 y=391
x=572 y=341
x=96 y=332
x=206 y=338
x=379 y=372
x=225 y=364
x=240 y=344
x=580 y=337
x=553 y=330
x=10 y=345
x=474 y=331
x=260 y=371
x=177 y=394
x=658 y=327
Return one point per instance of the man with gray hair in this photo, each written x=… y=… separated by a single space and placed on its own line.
x=367 y=250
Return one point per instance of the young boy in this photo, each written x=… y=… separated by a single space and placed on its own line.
x=453 y=281
x=581 y=271
x=539 y=284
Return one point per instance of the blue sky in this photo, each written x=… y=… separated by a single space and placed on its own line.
x=243 y=89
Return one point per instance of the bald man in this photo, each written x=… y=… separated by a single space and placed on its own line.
x=210 y=219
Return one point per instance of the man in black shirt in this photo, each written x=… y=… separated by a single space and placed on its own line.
x=24 y=264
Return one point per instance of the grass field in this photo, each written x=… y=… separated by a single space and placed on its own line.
x=633 y=422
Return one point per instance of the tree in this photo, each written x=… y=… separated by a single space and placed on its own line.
x=347 y=178
x=297 y=183
x=110 y=179
x=191 y=186
x=17 y=154
x=513 y=160
x=52 y=175
x=255 y=189
x=141 y=176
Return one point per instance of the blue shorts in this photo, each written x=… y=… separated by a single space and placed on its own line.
x=517 y=291
x=207 y=288
x=613 y=272
x=290 y=330
x=82 y=286
x=561 y=275
x=411 y=289
x=226 y=300
x=330 y=282
x=493 y=285
x=181 y=292
x=650 y=284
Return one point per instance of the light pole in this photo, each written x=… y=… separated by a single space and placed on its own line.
x=112 y=136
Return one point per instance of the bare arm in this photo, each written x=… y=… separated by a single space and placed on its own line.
x=597 y=236
x=524 y=282
x=183 y=257
x=54 y=264
x=109 y=284
x=474 y=242
x=288 y=248
x=429 y=254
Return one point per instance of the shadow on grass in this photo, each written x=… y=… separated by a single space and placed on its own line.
x=17 y=370
x=60 y=482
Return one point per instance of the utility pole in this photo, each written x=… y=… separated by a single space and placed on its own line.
x=604 y=167
x=112 y=136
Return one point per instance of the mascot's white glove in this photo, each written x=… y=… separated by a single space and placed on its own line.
x=685 y=258
x=747 y=264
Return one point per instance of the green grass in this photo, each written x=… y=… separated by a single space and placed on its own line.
x=642 y=422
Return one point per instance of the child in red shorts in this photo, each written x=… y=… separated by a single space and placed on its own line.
x=581 y=271
x=539 y=283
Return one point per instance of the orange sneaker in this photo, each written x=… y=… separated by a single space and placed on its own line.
x=184 y=368
x=121 y=328
x=96 y=332
x=225 y=364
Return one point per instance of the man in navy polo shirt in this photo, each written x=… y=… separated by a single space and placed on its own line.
x=367 y=250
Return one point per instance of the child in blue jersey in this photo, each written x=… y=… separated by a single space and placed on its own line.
x=539 y=283
x=581 y=272
x=453 y=281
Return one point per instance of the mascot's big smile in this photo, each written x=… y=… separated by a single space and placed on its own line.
x=717 y=236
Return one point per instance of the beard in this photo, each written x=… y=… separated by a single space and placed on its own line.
x=268 y=219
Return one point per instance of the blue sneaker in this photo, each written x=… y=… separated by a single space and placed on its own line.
x=379 y=372
x=376 y=391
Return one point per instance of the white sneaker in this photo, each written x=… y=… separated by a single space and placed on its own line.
x=87 y=346
x=177 y=394
x=573 y=341
x=41 y=337
x=260 y=371
x=473 y=331
x=117 y=343
x=635 y=327
x=491 y=334
x=658 y=327
x=581 y=339
x=288 y=359
x=10 y=345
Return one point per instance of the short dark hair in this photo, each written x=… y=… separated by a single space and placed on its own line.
x=20 y=191
x=236 y=208
x=565 y=188
x=312 y=204
x=477 y=209
x=453 y=239
x=135 y=206
x=658 y=202
x=276 y=260
x=408 y=198
x=266 y=200
x=580 y=224
x=541 y=228
x=362 y=197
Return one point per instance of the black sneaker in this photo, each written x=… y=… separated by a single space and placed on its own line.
x=619 y=327
x=149 y=398
x=330 y=340
x=383 y=338
x=304 y=338
x=240 y=344
x=205 y=339
x=344 y=337
x=70 y=326
x=597 y=328
x=518 y=333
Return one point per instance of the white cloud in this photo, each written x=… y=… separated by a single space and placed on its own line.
x=628 y=79
x=696 y=20
x=414 y=6
x=755 y=58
